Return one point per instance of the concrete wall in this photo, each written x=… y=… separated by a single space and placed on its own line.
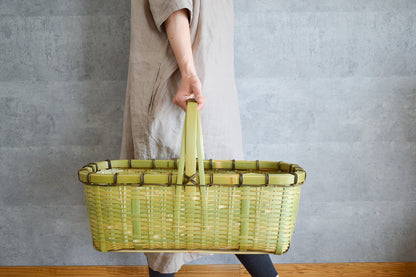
x=328 y=84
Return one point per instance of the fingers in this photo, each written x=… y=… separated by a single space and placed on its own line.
x=180 y=100
x=200 y=99
x=189 y=88
x=182 y=103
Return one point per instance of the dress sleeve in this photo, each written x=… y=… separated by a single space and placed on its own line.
x=161 y=9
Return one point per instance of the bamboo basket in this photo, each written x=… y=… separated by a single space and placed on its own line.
x=192 y=204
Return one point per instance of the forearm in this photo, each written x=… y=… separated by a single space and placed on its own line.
x=177 y=29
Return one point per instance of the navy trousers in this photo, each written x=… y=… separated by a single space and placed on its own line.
x=258 y=265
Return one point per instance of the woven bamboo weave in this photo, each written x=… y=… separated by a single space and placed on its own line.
x=192 y=205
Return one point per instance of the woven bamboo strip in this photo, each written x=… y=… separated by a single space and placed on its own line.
x=154 y=222
x=227 y=207
x=190 y=170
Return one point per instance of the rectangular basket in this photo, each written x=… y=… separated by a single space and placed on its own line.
x=192 y=205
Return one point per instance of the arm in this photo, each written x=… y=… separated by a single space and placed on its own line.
x=177 y=29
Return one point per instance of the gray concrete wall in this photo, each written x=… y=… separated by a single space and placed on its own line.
x=328 y=84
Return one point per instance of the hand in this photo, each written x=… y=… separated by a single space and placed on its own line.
x=190 y=87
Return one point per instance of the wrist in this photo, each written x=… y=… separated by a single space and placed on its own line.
x=187 y=70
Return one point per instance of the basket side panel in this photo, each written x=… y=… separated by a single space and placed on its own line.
x=159 y=219
x=223 y=228
x=287 y=218
x=264 y=218
x=93 y=217
x=156 y=217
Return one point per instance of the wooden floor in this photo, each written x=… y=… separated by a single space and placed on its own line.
x=285 y=270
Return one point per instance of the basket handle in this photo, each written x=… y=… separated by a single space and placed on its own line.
x=191 y=148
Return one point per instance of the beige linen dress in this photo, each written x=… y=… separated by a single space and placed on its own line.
x=152 y=123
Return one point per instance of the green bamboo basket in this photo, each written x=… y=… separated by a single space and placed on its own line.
x=191 y=204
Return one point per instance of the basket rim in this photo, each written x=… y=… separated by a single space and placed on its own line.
x=276 y=173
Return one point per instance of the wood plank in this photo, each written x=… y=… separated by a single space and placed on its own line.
x=117 y=271
x=46 y=271
x=285 y=270
x=344 y=269
x=210 y=270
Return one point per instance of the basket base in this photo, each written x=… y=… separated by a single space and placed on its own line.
x=225 y=251
x=193 y=251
